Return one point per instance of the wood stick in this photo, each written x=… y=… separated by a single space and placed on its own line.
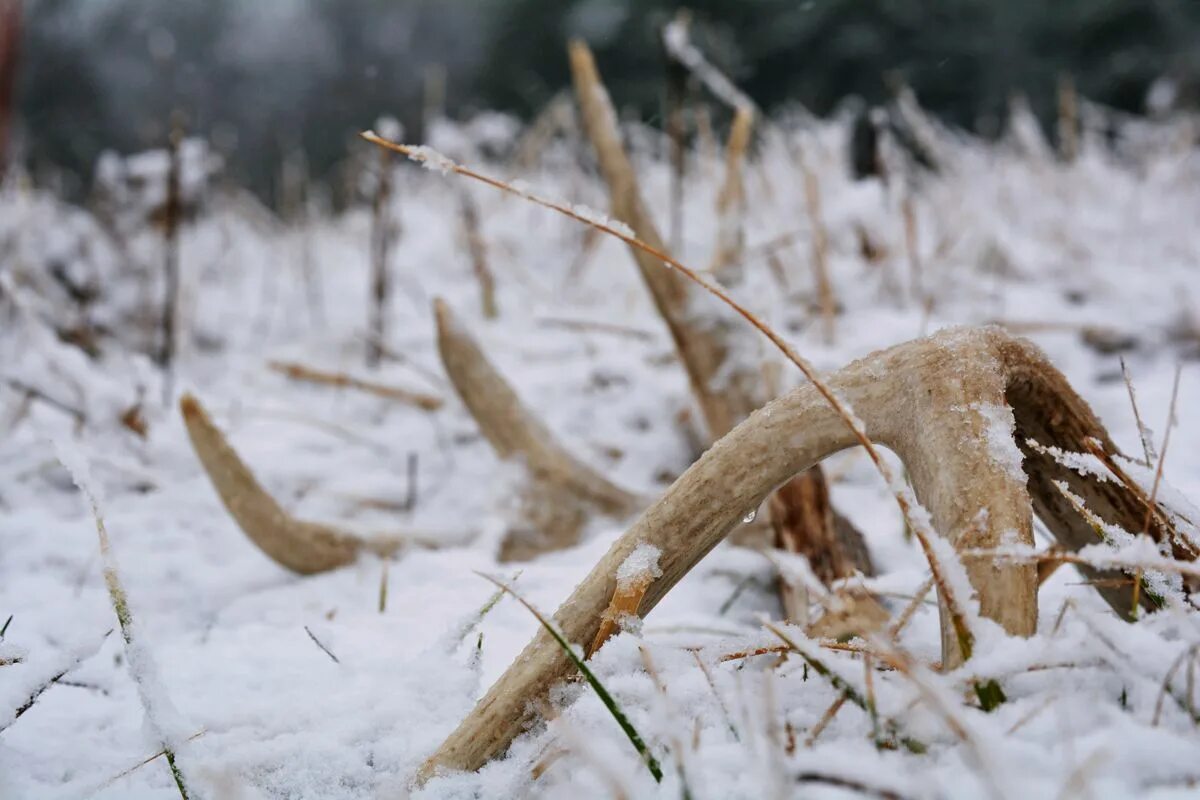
x=676 y=78
x=479 y=261
x=727 y=262
x=703 y=349
x=300 y=372
x=171 y=218
x=820 y=252
x=382 y=233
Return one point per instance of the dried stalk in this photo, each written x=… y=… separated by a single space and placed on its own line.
x=703 y=349
x=1068 y=118
x=727 y=265
x=382 y=233
x=676 y=76
x=912 y=245
x=479 y=261
x=820 y=252
x=1143 y=431
x=300 y=372
x=171 y=218
x=805 y=523
x=512 y=431
x=304 y=547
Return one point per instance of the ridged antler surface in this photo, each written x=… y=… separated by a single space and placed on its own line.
x=301 y=546
x=947 y=405
x=511 y=430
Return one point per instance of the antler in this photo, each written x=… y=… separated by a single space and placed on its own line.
x=725 y=395
x=946 y=405
x=301 y=546
x=511 y=429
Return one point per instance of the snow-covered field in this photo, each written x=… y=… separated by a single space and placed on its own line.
x=272 y=685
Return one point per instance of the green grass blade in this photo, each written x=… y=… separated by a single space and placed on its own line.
x=605 y=698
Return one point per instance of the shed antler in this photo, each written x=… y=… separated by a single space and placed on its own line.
x=301 y=546
x=726 y=392
x=509 y=427
x=562 y=489
x=947 y=405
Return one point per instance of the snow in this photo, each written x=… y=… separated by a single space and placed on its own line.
x=1000 y=433
x=640 y=566
x=599 y=218
x=1107 y=242
x=432 y=160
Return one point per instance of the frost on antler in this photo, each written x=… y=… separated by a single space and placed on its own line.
x=944 y=405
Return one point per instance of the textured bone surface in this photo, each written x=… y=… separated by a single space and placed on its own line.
x=512 y=431
x=936 y=403
x=304 y=547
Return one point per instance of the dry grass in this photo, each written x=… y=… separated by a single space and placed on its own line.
x=306 y=374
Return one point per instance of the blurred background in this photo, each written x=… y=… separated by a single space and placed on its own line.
x=261 y=81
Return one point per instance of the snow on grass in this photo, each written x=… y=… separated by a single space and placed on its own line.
x=227 y=625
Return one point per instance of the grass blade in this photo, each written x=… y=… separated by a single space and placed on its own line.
x=607 y=699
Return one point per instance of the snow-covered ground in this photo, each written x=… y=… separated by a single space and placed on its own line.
x=1101 y=251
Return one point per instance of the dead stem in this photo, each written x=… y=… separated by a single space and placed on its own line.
x=300 y=372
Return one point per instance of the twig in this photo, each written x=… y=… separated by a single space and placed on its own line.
x=41 y=688
x=848 y=783
x=727 y=259
x=825 y=719
x=909 y=610
x=325 y=649
x=597 y=327
x=820 y=251
x=912 y=245
x=1162 y=454
x=478 y=251
x=32 y=391
x=676 y=93
x=143 y=763
x=712 y=685
x=172 y=213
x=383 y=586
x=382 y=233
x=1068 y=118
x=848 y=691
x=300 y=372
x=1143 y=431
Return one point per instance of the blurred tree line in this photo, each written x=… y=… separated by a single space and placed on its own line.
x=263 y=80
